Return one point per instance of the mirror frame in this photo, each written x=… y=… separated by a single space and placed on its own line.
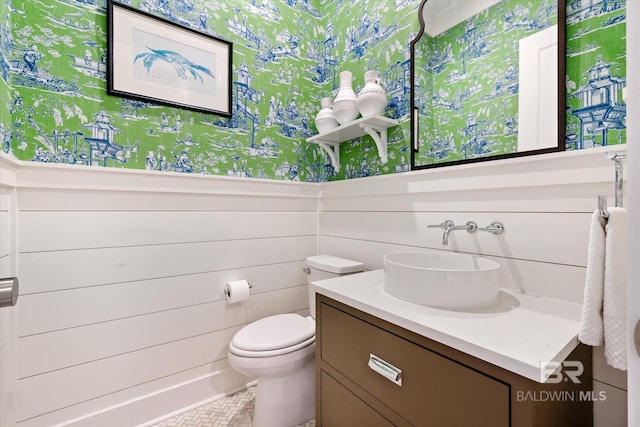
x=562 y=101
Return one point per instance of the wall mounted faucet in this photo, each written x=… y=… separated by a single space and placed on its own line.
x=449 y=226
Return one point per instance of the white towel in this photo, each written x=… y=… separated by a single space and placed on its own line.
x=604 y=311
x=592 y=324
x=615 y=289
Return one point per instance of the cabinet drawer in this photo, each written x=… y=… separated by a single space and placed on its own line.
x=435 y=391
x=341 y=408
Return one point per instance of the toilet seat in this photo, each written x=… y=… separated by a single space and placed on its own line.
x=273 y=336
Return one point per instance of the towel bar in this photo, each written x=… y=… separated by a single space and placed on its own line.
x=617 y=157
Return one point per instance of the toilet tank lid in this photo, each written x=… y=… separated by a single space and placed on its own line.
x=334 y=264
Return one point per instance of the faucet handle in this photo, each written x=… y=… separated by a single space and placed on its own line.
x=447 y=224
x=494 y=228
x=471 y=226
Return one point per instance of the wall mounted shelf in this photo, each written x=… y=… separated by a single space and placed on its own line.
x=374 y=126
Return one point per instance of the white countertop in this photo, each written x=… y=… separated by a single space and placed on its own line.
x=520 y=333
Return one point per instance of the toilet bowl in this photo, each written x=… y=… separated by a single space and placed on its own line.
x=279 y=352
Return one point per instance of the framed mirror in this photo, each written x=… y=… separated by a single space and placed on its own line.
x=487 y=80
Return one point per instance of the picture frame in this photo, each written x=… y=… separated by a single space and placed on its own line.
x=154 y=60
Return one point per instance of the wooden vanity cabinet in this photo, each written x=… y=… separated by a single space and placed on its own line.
x=440 y=386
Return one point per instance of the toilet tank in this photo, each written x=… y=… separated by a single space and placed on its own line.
x=320 y=267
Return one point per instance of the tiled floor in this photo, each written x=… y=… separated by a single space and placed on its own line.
x=232 y=411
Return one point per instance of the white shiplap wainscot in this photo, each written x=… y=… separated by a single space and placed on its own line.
x=545 y=203
x=122 y=317
x=7 y=315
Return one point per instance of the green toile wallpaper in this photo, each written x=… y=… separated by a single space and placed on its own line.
x=286 y=57
x=596 y=73
x=5 y=90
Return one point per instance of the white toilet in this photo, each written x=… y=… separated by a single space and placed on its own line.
x=279 y=351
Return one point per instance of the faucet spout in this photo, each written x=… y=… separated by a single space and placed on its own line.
x=445 y=235
x=470 y=226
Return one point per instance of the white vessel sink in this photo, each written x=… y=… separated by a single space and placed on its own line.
x=442 y=279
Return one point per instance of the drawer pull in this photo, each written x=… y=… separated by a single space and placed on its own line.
x=385 y=369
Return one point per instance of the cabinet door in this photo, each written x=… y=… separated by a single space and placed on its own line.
x=341 y=408
x=435 y=391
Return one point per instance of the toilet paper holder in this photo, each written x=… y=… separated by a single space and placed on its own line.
x=227 y=292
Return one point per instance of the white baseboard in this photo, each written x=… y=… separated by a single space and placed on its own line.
x=196 y=405
x=149 y=408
